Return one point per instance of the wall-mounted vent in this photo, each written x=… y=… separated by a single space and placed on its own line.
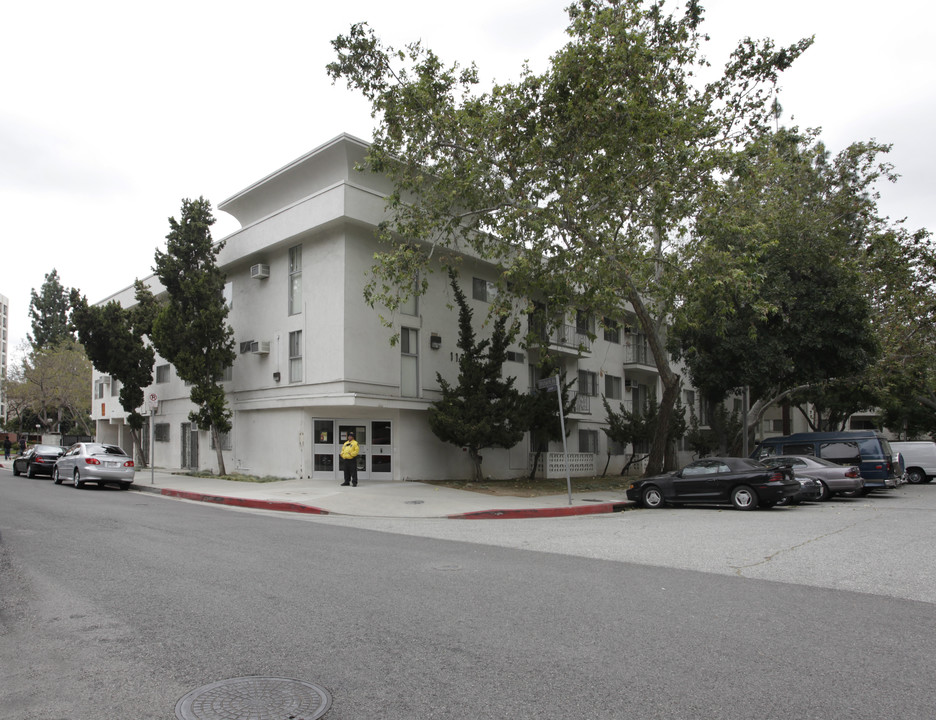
x=260 y=347
x=260 y=271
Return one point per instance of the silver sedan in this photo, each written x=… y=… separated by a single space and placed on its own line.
x=833 y=479
x=94 y=462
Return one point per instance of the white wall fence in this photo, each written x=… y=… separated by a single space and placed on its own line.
x=553 y=464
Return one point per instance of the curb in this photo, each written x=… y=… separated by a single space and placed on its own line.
x=596 y=509
x=278 y=505
x=283 y=506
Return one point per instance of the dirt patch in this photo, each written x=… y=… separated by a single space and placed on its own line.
x=524 y=487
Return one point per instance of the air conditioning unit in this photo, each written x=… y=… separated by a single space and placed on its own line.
x=628 y=383
x=260 y=271
x=260 y=347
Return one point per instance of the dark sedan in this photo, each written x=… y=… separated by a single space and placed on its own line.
x=37 y=460
x=741 y=482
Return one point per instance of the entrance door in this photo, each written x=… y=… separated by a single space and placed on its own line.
x=324 y=453
x=189 y=436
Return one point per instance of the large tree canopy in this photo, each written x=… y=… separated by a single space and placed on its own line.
x=572 y=180
x=191 y=330
x=799 y=284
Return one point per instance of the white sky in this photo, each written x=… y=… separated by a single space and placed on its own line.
x=114 y=111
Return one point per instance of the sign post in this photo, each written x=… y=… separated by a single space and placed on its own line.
x=153 y=407
x=552 y=383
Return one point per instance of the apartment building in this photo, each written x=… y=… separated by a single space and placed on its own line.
x=315 y=362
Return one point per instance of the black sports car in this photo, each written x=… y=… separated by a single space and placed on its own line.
x=37 y=460
x=742 y=482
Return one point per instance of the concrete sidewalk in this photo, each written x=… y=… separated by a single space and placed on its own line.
x=373 y=498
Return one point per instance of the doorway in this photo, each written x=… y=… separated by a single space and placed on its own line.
x=374 y=437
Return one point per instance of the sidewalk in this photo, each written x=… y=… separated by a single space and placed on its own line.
x=373 y=499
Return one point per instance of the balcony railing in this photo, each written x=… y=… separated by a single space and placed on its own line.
x=638 y=354
x=562 y=336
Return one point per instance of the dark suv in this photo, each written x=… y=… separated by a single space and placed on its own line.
x=867 y=449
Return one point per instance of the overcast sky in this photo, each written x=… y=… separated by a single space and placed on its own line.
x=113 y=111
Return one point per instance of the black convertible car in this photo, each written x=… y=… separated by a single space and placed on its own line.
x=742 y=482
x=37 y=460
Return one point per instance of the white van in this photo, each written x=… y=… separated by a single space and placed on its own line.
x=919 y=459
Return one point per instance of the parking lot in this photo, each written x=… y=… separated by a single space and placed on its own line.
x=882 y=544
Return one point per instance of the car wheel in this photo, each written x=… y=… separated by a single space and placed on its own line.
x=784 y=501
x=16 y=471
x=825 y=493
x=743 y=498
x=30 y=471
x=915 y=475
x=652 y=498
x=56 y=478
x=77 y=478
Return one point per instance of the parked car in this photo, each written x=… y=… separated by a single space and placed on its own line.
x=867 y=449
x=744 y=483
x=832 y=477
x=919 y=459
x=37 y=460
x=810 y=491
x=94 y=462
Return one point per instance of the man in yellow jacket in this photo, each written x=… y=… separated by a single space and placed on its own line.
x=349 y=452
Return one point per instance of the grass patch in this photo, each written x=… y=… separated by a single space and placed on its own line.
x=237 y=477
x=525 y=487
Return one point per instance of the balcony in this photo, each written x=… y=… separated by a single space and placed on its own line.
x=565 y=339
x=638 y=354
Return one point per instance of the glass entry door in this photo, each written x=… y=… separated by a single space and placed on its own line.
x=375 y=458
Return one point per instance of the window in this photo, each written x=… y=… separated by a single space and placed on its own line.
x=99 y=389
x=612 y=387
x=515 y=356
x=161 y=432
x=225 y=441
x=226 y=375
x=295 y=280
x=587 y=383
x=115 y=386
x=409 y=362
x=612 y=330
x=162 y=373
x=588 y=441
x=483 y=290
x=295 y=356
x=584 y=322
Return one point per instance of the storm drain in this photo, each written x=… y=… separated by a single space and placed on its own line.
x=255 y=698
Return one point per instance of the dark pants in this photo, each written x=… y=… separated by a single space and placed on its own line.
x=350 y=470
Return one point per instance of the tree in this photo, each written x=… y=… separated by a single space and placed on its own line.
x=190 y=330
x=779 y=299
x=636 y=427
x=55 y=383
x=48 y=311
x=484 y=409
x=113 y=338
x=573 y=181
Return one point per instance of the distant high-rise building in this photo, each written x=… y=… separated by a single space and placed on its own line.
x=4 y=332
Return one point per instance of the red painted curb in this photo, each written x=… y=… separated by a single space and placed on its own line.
x=243 y=502
x=540 y=513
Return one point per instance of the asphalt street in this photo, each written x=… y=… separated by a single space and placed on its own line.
x=117 y=604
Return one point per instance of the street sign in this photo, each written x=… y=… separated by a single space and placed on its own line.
x=153 y=402
x=548 y=383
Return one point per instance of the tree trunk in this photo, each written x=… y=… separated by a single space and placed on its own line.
x=217 y=443
x=138 y=447
x=476 y=458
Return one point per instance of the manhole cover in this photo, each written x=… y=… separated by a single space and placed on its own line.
x=255 y=698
